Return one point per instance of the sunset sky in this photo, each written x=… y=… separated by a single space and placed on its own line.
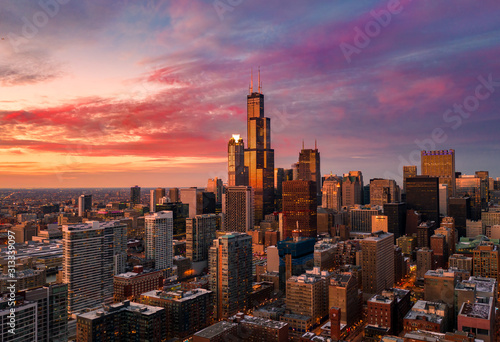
x=119 y=93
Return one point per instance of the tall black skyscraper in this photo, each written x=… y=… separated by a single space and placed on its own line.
x=422 y=195
x=135 y=194
x=259 y=157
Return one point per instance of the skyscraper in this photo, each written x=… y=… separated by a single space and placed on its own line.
x=300 y=208
x=408 y=172
x=440 y=164
x=200 y=232
x=160 y=193
x=237 y=209
x=173 y=194
x=215 y=186
x=470 y=186
x=237 y=171
x=159 y=235
x=332 y=192
x=88 y=264
x=352 y=188
x=135 y=194
x=422 y=195
x=259 y=157
x=230 y=264
x=84 y=204
x=152 y=201
x=309 y=168
x=377 y=262
x=383 y=191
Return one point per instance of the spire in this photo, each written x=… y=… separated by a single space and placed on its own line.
x=302 y=143
x=251 y=81
x=315 y=144
x=260 y=84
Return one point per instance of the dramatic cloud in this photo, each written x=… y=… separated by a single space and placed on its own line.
x=159 y=86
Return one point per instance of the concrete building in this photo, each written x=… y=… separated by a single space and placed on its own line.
x=88 y=264
x=424 y=261
x=122 y=321
x=427 y=316
x=377 y=263
x=238 y=209
x=479 y=319
x=130 y=285
x=159 y=239
x=380 y=223
x=344 y=294
x=186 y=311
x=461 y=262
x=485 y=260
x=230 y=265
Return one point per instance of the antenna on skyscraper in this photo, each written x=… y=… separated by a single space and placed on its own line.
x=315 y=144
x=260 y=84
x=251 y=81
x=302 y=143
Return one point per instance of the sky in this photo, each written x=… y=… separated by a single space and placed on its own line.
x=148 y=92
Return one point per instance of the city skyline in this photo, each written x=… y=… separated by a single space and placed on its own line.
x=158 y=88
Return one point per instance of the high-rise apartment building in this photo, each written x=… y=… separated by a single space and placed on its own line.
x=259 y=157
x=159 y=235
x=120 y=248
x=332 y=192
x=200 y=232
x=237 y=171
x=135 y=194
x=383 y=191
x=84 y=204
x=299 y=208
x=310 y=168
x=377 y=263
x=88 y=250
x=230 y=265
x=422 y=195
x=238 y=209
x=440 y=164
x=408 y=172
x=352 y=188
x=25 y=325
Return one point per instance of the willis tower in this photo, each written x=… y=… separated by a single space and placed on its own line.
x=259 y=157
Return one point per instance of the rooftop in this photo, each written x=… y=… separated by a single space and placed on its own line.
x=125 y=305
x=215 y=329
x=268 y=323
x=179 y=296
x=476 y=310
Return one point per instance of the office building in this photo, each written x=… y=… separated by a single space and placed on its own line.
x=237 y=209
x=299 y=208
x=123 y=321
x=343 y=293
x=422 y=195
x=309 y=168
x=485 y=187
x=152 y=201
x=460 y=210
x=159 y=236
x=174 y=195
x=440 y=248
x=26 y=321
x=383 y=191
x=88 y=250
x=424 y=261
x=159 y=195
x=396 y=218
x=460 y=262
x=120 y=247
x=352 y=189
x=308 y=294
x=259 y=157
x=135 y=194
x=440 y=164
x=237 y=171
x=439 y=285
x=360 y=218
x=194 y=198
x=230 y=268
x=379 y=223
x=200 y=232
x=473 y=228
x=84 y=204
x=377 y=262
x=443 y=199
x=332 y=193
x=215 y=186
x=470 y=186
x=407 y=244
x=408 y=172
